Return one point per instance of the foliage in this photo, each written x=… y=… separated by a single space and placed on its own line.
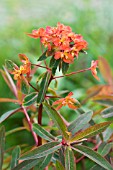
x=61 y=143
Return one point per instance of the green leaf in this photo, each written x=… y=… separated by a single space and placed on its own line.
x=28 y=164
x=80 y=122
x=59 y=166
x=107 y=133
x=97 y=167
x=7 y=114
x=104 y=148
x=24 y=86
x=52 y=62
x=42 y=151
x=69 y=159
x=14 y=130
x=65 y=67
x=108 y=112
x=10 y=65
x=15 y=156
x=2 y=144
x=55 y=65
x=43 y=87
x=40 y=77
x=57 y=119
x=42 y=132
x=94 y=156
x=104 y=100
x=62 y=156
x=91 y=131
x=43 y=56
x=44 y=163
x=30 y=99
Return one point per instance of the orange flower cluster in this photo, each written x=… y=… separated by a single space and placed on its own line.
x=18 y=72
x=68 y=100
x=64 y=43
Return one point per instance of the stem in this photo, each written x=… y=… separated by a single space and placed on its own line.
x=73 y=73
x=41 y=66
x=33 y=87
x=40 y=122
x=30 y=125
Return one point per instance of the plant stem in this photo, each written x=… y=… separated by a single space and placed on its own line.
x=30 y=125
x=40 y=122
x=33 y=87
x=41 y=66
x=76 y=72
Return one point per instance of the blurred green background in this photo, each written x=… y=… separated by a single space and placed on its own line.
x=91 y=18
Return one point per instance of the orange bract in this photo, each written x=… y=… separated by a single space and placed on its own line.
x=94 y=65
x=66 y=101
x=65 y=43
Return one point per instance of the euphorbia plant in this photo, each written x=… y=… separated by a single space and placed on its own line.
x=69 y=145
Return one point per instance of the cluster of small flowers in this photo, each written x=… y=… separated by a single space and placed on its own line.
x=18 y=72
x=60 y=40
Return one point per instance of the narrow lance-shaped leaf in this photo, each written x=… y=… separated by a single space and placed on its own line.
x=108 y=112
x=14 y=130
x=65 y=67
x=44 y=163
x=24 y=86
x=28 y=164
x=10 y=65
x=43 y=56
x=15 y=157
x=59 y=166
x=57 y=120
x=105 y=70
x=104 y=100
x=55 y=65
x=107 y=134
x=2 y=145
x=42 y=132
x=62 y=156
x=11 y=82
x=104 y=148
x=91 y=131
x=94 y=156
x=43 y=87
x=7 y=114
x=42 y=151
x=80 y=122
x=69 y=159
x=30 y=99
x=8 y=100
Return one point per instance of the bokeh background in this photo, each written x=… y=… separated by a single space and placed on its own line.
x=91 y=18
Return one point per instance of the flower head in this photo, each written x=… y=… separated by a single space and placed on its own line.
x=18 y=72
x=68 y=100
x=94 y=65
x=65 y=43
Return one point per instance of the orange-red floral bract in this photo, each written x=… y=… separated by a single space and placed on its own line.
x=94 y=65
x=68 y=100
x=65 y=43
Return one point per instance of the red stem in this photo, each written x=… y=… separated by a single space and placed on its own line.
x=30 y=125
x=73 y=73
x=40 y=122
x=41 y=66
